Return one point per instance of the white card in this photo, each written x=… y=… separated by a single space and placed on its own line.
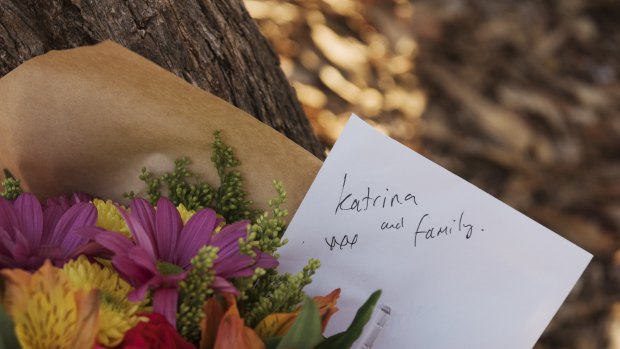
x=458 y=268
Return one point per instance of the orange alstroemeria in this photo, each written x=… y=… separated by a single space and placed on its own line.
x=214 y=312
x=224 y=330
x=47 y=311
x=278 y=324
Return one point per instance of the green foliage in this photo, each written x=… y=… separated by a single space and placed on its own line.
x=243 y=284
x=268 y=229
x=12 y=186
x=272 y=343
x=230 y=198
x=185 y=187
x=305 y=333
x=194 y=194
x=354 y=331
x=267 y=291
x=8 y=338
x=193 y=293
x=275 y=293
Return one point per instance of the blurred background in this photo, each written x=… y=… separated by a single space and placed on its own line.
x=517 y=96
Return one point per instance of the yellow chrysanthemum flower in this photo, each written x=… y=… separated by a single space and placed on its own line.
x=117 y=314
x=109 y=218
x=185 y=213
x=47 y=311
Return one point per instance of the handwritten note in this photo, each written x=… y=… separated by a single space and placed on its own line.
x=458 y=268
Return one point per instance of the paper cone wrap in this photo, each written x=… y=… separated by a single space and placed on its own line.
x=88 y=119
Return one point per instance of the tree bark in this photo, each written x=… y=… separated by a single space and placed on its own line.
x=213 y=44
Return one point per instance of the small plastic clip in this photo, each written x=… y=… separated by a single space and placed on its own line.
x=372 y=332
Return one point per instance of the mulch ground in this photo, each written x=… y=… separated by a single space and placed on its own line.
x=519 y=97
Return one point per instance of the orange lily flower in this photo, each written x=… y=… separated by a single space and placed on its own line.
x=47 y=311
x=278 y=324
x=224 y=330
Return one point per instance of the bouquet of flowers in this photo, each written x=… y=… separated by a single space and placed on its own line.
x=185 y=265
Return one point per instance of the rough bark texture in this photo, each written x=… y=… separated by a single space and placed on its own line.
x=213 y=44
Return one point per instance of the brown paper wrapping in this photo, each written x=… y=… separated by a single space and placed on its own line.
x=88 y=119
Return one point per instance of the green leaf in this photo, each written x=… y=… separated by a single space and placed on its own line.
x=7 y=173
x=347 y=338
x=306 y=330
x=8 y=339
x=272 y=343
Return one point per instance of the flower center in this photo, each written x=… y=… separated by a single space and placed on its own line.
x=168 y=268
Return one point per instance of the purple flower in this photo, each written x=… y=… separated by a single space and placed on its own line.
x=159 y=256
x=30 y=233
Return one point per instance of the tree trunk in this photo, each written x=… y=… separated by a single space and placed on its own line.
x=213 y=44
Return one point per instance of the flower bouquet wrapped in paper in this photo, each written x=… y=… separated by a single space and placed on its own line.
x=127 y=217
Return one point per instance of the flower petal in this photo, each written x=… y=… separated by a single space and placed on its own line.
x=7 y=242
x=228 y=239
x=59 y=201
x=140 y=256
x=237 y=266
x=155 y=333
x=232 y=332
x=165 y=303
x=136 y=267
x=51 y=216
x=214 y=312
x=145 y=213
x=138 y=294
x=91 y=249
x=196 y=233
x=30 y=217
x=222 y=285
x=87 y=319
x=174 y=279
x=7 y=262
x=168 y=224
x=17 y=248
x=7 y=248
x=8 y=219
x=80 y=197
x=138 y=231
x=327 y=306
x=276 y=324
x=230 y=262
x=46 y=252
x=22 y=250
x=115 y=242
x=48 y=312
x=265 y=260
x=241 y=265
x=16 y=284
x=78 y=216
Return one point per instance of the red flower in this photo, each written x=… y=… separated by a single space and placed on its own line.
x=155 y=334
